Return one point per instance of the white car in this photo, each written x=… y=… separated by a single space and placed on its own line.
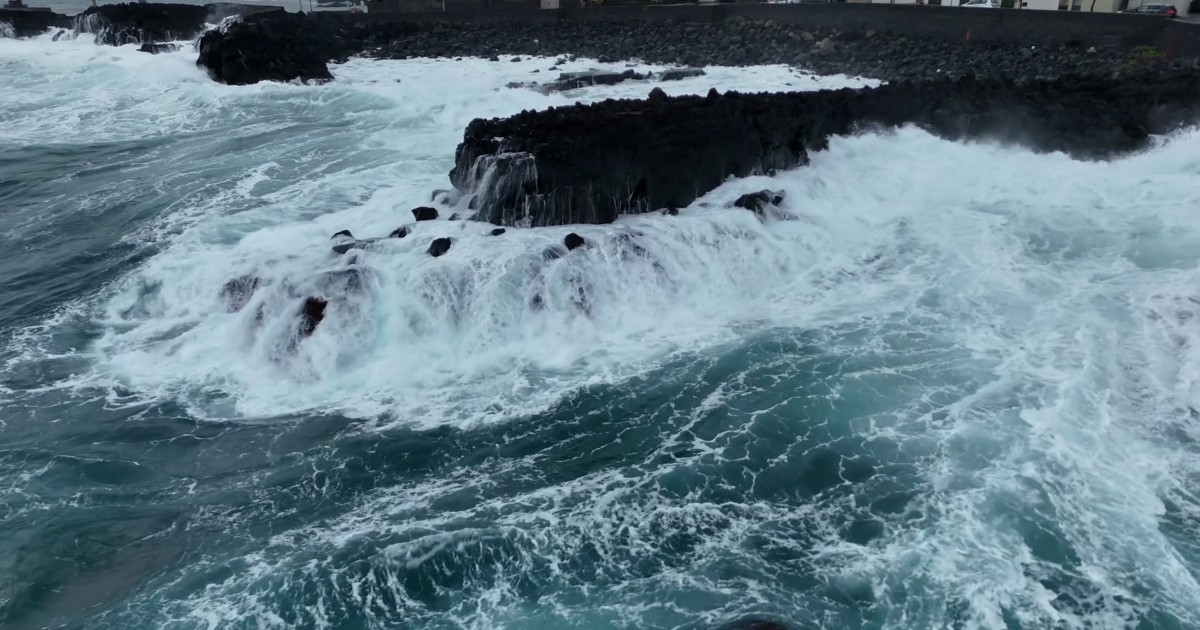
x=981 y=4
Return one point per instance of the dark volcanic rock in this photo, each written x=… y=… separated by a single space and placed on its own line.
x=439 y=246
x=573 y=241
x=315 y=40
x=675 y=74
x=497 y=231
x=425 y=213
x=399 y=232
x=154 y=49
x=134 y=23
x=342 y=248
x=30 y=22
x=735 y=42
x=311 y=314
x=272 y=47
x=587 y=164
x=138 y=23
x=286 y=47
x=574 y=80
x=758 y=202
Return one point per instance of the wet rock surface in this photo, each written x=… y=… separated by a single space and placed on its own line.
x=268 y=45
x=149 y=23
x=591 y=163
x=26 y=23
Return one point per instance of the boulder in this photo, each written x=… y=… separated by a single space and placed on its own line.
x=399 y=232
x=573 y=241
x=154 y=22
x=759 y=201
x=439 y=246
x=31 y=22
x=497 y=231
x=155 y=49
x=425 y=213
x=342 y=248
x=675 y=74
x=312 y=313
x=269 y=47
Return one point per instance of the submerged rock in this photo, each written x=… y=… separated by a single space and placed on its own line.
x=573 y=241
x=439 y=246
x=342 y=248
x=236 y=293
x=399 y=232
x=497 y=231
x=575 y=80
x=676 y=74
x=759 y=201
x=312 y=313
x=155 y=49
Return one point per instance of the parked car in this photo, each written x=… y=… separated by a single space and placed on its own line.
x=981 y=4
x=1168 y=10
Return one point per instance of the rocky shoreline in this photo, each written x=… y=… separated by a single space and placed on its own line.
x=131 y=23
x=286 y=47
x=592 y=163
x=268 y=44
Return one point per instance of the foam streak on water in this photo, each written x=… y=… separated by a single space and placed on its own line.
x=948 y=385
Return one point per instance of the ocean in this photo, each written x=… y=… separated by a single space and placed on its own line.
x=958 y=391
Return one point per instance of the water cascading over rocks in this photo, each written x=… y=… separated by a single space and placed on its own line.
x=591 y=163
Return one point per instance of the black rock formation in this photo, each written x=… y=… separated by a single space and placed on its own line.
x=311 y=314
x=288 y=46
x=759 y=201
x=676 y=74
x=154 y=49
x=148 y=23
x=425 y=213
x=31 y=22
x=343 y=233
x=573 y=241
x=399 y=232
x=497 y=231
x=342 y=248
x=283 y=47
x=590 y=163
x=439 y=246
